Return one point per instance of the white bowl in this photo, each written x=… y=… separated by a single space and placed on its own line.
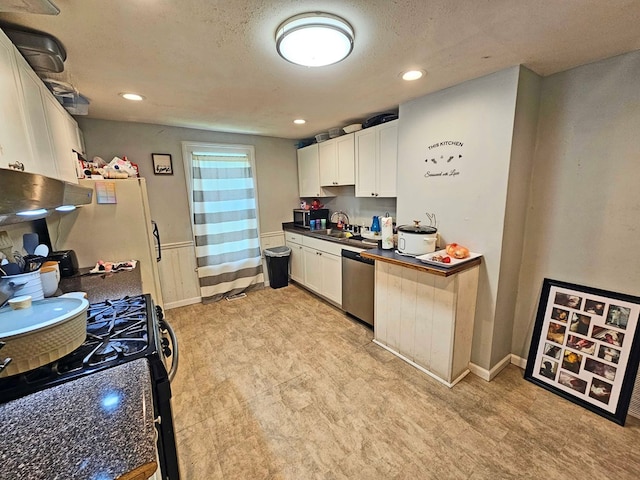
x=33 y=286
x=18 y=303
x=49 y=282
x=354 y=127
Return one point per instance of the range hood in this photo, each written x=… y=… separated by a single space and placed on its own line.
x=22 y=192
x=42 y=7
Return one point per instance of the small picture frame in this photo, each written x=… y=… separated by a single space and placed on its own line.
x=586 y=347
x=162 y=164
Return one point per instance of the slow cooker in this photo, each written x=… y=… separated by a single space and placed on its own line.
x=416 y=239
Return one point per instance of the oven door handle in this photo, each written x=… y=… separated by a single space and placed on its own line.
x=174 y=343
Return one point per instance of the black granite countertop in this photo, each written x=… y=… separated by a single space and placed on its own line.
x=322 y=235
x=97 y=427
x=103 y=286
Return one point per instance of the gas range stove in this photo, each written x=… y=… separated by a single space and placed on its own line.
x=118 y=331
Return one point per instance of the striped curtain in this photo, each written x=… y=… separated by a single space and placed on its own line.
x=225 y=225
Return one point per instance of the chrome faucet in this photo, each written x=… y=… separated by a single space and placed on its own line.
x=6 y=361
x=341 y=216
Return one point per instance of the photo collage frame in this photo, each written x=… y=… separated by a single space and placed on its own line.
x=585 y=347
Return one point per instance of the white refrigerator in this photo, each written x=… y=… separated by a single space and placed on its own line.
x=118 y=230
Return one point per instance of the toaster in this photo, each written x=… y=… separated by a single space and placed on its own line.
x=68 y=262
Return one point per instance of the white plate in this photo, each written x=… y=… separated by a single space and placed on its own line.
x=371 y=235
x=454 y=261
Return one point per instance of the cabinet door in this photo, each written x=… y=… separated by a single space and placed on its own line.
x=312 y=269
x=15 y=147
x=345 y=161
x=327 y=153
x=365 y=144
x=331 y=266
x=57 y=119
x=308 y=171
x=387 y=159
x=296 y=262
x=32 y=93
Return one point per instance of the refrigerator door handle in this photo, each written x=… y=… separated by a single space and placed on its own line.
x=156 y=234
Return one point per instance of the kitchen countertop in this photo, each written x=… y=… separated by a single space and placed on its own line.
x=104 y=286
x=290 y=227
x=94 y=428
x=390 y=256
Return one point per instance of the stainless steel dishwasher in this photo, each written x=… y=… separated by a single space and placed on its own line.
x=358 y=275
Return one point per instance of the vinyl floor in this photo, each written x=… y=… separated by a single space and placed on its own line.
x=281 y=385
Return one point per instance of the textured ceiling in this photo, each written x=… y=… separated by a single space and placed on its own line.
x=212 y=64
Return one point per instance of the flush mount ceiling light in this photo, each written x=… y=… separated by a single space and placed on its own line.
x=314 y=39
x=299 y=121
x=132 y=96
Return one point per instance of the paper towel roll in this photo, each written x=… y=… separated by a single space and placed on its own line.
x=387 y=232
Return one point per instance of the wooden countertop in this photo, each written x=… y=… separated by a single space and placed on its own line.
x=390 y=256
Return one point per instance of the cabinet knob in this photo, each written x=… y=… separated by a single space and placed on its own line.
x=376 y=194
x=373 y=194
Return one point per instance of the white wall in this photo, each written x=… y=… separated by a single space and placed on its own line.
x=471 y=205
x=584 y=214
x=276 y=166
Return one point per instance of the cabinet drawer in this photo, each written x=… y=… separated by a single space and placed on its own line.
x=293 y=238
x=322 y=245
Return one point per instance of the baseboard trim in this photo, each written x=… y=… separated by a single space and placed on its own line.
x=489 y=375
x=421 y=368
x=182 y=303
x=519 y=361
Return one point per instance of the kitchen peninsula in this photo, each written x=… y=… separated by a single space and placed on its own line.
x=424 y=313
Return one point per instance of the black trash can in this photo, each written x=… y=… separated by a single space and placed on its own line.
x=278 y=266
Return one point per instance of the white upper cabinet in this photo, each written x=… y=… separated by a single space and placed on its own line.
x=44 y=159
x=376 y=159
x=337 y=161
x=308 y=171
x=36 y=133
x=15 y=148
x=61 y=139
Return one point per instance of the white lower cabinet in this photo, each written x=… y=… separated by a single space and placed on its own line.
x=317 y=265
x=296 y=262
x=312 y=269
x=296 y=259
x=427 y=319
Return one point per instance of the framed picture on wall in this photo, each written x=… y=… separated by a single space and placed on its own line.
x=586 y=347
x=162 y=164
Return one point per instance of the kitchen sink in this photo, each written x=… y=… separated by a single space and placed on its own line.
x=338 y=234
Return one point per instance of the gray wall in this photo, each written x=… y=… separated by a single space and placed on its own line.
x=520 y=168
x=471 y=205
x=584 y=212
x=277 y=174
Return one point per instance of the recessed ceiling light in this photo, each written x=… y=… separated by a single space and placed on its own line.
x=299 y=121
x=132 y=96
x=314 y=39
x=412 y=75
